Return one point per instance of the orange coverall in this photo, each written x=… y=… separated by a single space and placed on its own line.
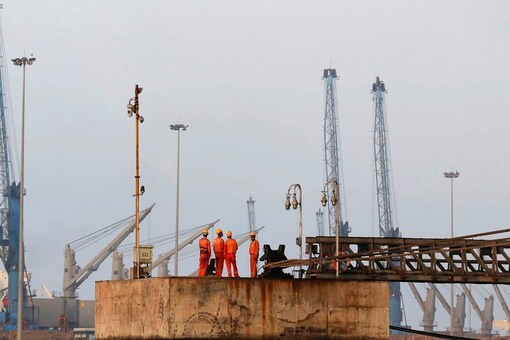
x=205 y=255
x=219 y=253
x=230 y=257
x=254 y=256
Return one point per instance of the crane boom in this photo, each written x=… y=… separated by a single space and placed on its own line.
x=189 y=240
x=74 y=276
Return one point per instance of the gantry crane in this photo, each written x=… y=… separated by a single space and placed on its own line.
x=387 y=226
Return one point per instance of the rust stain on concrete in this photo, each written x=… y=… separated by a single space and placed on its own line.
x=241 y=308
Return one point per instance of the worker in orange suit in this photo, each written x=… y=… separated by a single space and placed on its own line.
x=205 y=253
x=254 y=254
x=219 y=252
x=230 y=256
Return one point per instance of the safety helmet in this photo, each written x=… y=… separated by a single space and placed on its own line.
x=218 y=231
x=253 y=233
x=229 y=233
x=205 y=232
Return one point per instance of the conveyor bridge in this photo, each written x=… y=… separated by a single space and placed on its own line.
x=467 y=259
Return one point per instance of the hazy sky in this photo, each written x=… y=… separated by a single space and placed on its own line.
x=246 y=77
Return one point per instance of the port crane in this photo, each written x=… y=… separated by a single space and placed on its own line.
x=74 y=276
x=163 y=258
x=387 y=225
x=9 y=207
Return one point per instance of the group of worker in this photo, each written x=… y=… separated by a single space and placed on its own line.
x=225 y=252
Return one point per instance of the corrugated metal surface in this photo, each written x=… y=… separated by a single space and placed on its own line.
x=208 y=307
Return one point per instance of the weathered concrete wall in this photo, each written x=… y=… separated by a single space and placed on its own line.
x=209 y=307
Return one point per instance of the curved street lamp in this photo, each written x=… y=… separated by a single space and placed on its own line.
x=133 y=107
x=21 y=62
x=295 y=204
x=334 y=202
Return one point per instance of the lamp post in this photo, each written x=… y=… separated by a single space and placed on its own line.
x=451 y=175
x=295 y=203
x=177 y=127
x=133 y=107
x=21 y=62
x=334 y=201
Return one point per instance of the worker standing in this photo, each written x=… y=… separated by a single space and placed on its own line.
x=205 y=253
x=254 y=254
x=230 y=257
x=219 y=252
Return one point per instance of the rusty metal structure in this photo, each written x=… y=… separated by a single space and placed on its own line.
x=468 y=259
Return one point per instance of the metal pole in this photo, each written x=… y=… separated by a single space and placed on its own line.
x=176 y=270
x=300 y=231
x=21 y=212
x=451 y=175
x=177 y=127
x=137 y=190
x=19 y=321
x=451 y=235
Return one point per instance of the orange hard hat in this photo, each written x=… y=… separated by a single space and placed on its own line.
x=218 y=231
x=229 y=233
x=205 y=232
x=253 y=233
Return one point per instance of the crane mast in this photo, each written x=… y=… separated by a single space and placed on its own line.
x=251 y=214
x=331 y=153
x=9 y=207
x=320 y=222
x=383 y=186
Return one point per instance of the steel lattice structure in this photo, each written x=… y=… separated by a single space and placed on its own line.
x=467 y=259
x=382 y=177
x=383 y=185
x=251 y=214
x=331 y=152
x=320 y=222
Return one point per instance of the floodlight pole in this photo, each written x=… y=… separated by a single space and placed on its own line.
x=21 y=62
x=451 y=175
x=177 y=127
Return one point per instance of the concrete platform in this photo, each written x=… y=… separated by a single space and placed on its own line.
x=209 y=307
